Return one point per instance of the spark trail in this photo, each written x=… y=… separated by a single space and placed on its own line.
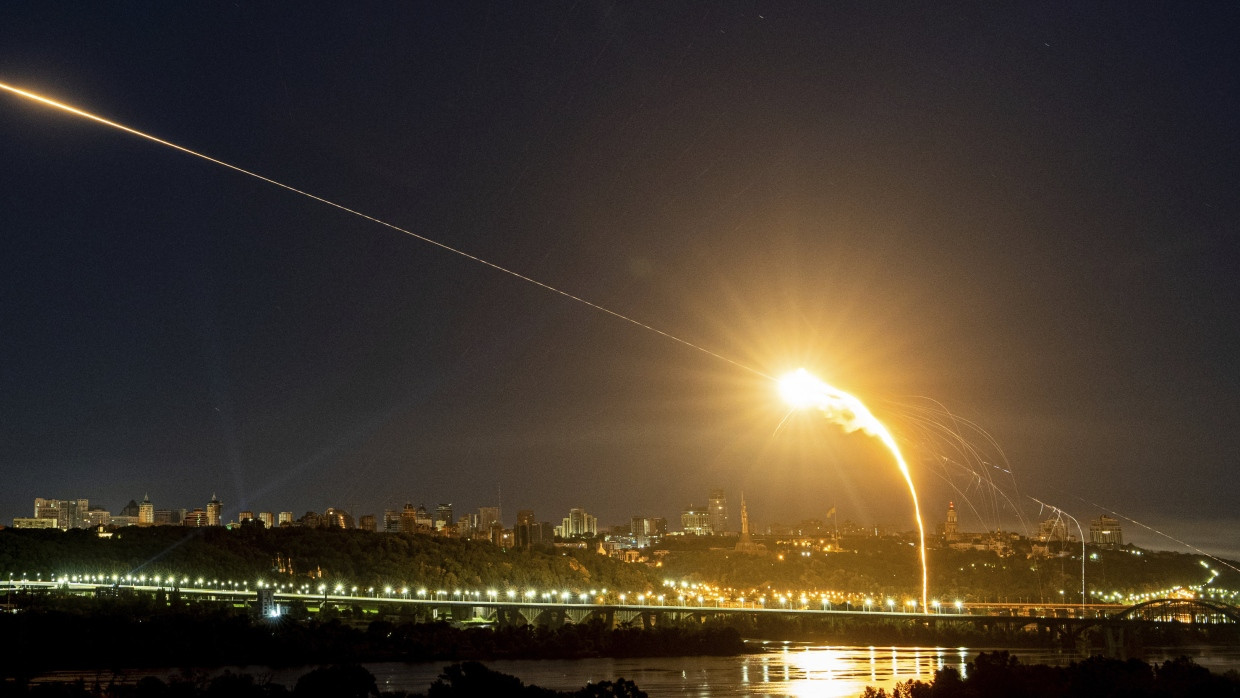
x=801 y=389
x=45 y=101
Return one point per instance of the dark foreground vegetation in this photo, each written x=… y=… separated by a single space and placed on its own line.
x=466 y=680
x=1001 y=674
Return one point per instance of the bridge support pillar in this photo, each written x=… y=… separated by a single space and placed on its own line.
x=1114 y=634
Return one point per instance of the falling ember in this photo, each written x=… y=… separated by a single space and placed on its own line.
x=801 y=389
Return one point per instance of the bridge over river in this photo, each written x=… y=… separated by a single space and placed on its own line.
x=1062 y=624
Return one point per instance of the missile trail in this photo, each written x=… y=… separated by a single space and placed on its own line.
x=155 y=139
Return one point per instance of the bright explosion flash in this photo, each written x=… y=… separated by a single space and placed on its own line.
x=802 y=389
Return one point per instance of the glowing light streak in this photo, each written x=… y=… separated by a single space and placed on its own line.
x=802 y=389
x=1059 y=513
x=154 y=139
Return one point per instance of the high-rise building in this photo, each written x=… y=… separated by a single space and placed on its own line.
x=951 y=527
x=196 y=518
x=98 y=516
x=268 y=519
x=46 y=508
x=423 y=519
x=366 y=522
x=73 y=513
x=68 y=513
x=532 y=533
x=285 y=518
x=169 y=517
x=718 y=512
x=1105 y=530
x=526 y=517
x=1052 y=529
x=214 y=508
x=337 y=518
x=408 y=519
x=443 y=516
x=467 y=525
x=578 y=524
x=695 y=520
x=243 y=516
x=391 y=520
x=488 y=516
x=644 y=528
x=146 y=512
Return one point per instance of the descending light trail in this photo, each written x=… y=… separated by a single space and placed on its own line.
x=801 y=389
x=154 y=139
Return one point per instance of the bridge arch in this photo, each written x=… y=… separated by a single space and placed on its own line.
x=1193 y=611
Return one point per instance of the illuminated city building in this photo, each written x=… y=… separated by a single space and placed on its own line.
x=1106 y=531
x=214 y=507
x=366 y=522
x=443 y=517
x=337 y=518
x=268 y=519
x=1052 y=529
x=46 y=508
x=146 y=512
x=98 y=516
x=69 y=513
x=33 y=522
x=422 y=518
x=578 y=524
x=285 y=518
x=695 y=521
x=718 y=512
x=951 y=528
x=196 y=518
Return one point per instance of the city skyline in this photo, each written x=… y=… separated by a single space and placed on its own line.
x=694 y=521
x=1022 y=214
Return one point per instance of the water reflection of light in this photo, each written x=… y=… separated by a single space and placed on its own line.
x=821 y=663
x=836 y=672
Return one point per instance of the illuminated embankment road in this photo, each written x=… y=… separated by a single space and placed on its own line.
x=490 y=605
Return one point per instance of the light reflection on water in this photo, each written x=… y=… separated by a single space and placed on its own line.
x=785 y=669
x=791 y=669
x=781 y=669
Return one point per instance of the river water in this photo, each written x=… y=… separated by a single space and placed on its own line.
x=772 y=669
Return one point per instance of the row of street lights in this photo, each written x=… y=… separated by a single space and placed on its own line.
x=493 y=595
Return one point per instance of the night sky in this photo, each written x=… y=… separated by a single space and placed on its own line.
x=1024 y=211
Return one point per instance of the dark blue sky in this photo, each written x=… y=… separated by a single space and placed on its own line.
x=1026 y=213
